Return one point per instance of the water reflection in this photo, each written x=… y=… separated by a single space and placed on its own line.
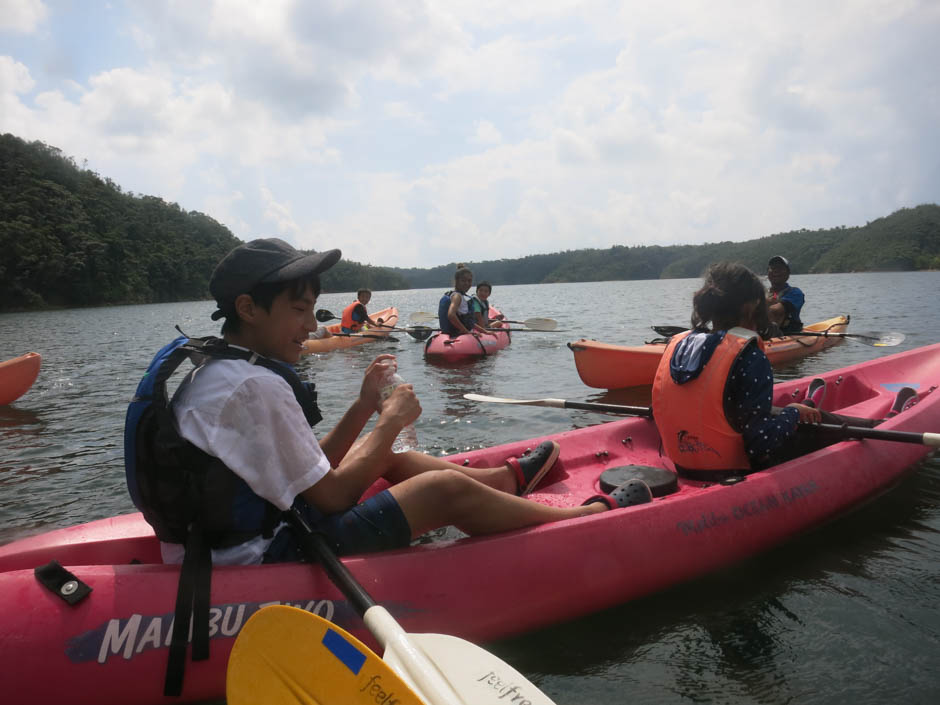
x=24 y=420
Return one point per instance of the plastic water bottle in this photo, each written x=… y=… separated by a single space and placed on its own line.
x=407 y=439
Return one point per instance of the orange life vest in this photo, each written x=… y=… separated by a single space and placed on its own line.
x=348 y=321
x=691 y=418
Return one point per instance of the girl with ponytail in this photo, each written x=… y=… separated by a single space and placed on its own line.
x=713 y=390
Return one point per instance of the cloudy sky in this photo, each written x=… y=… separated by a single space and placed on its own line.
x=422 y=132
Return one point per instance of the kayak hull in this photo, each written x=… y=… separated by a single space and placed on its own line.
x=608 y=366
x=388 y=316
x=110 y=648
x=17 y=376
x=440 y=347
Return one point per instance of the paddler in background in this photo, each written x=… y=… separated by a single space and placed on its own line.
x=784 y=302
x=355 y=315
x=453 y=310
x=480 y=306
x=713 y=390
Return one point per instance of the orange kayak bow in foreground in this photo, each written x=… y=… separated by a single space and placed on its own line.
x=17 y=376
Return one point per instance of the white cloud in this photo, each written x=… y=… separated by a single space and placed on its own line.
x=22 y=15
x=14 y=77
x=280 y=214
x=411 y=133
x=485 y=132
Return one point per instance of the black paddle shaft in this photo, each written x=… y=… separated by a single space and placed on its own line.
x=317 y=550
x=876 y=434
x=612 y=408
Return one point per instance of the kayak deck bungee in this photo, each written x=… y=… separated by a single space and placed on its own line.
x=17 y=376
x=111 y=646
x=441 y=347
x=608 y=366
x=368 y=334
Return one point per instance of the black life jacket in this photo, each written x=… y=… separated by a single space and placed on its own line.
x=468 y=319
x=188 y=496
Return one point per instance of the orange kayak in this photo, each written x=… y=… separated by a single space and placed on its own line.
x=608 y=366
x=388 y=316
x=17 y=376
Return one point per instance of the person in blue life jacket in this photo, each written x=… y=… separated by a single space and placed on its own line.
x=249 y=418
x=713 y=390
x=480 y=307
x=783 y=300
x=453 y=310
x=355 y=315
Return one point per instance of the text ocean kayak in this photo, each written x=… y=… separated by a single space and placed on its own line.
x=17 y=376
x=111 y=646
x=442 y=348
x=388 y=316
x=608 y=366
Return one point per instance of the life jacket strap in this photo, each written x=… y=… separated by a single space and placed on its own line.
x=192 y=607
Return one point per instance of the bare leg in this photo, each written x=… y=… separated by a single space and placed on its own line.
x=449 y=496
x=403 y=466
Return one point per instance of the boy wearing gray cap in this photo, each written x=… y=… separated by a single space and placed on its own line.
x=252 y=421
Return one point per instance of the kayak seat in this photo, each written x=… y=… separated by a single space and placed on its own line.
x=660 y=481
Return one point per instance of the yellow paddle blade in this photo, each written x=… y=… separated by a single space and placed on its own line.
x=287 y=656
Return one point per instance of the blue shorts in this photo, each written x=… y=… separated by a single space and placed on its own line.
x=377 y=524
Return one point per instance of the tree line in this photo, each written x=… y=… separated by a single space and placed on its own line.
x=69 y=237
x=906 y=240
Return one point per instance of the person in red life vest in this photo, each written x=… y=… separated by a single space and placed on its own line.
x=355 y=315
x=784 y=302
x=713 y=389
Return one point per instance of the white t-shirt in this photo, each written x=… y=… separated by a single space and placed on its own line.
x=247 y=416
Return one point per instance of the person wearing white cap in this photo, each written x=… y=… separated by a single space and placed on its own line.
x=784 y=302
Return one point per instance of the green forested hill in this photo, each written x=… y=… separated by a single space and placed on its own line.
x=908 y=239
x=69 y=237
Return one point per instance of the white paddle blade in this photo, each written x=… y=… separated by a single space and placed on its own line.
x=445 y=670
x=932 y=439
x=475 y=674
x=409 y=661
x=422 y=317
x=555 y=403
x=540 y=323
x=889 y=340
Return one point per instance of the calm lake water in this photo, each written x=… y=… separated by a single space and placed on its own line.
x=850 y=613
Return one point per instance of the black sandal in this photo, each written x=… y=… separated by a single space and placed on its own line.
x=629 y=494
x=532 y=467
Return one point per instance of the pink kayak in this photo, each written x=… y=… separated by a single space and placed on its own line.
x=442 y=348
x=111 y=646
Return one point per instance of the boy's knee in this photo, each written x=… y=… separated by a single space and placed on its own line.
x=447 y=486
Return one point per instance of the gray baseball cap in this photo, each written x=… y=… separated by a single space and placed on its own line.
x=780 y=259
x=262 y=261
